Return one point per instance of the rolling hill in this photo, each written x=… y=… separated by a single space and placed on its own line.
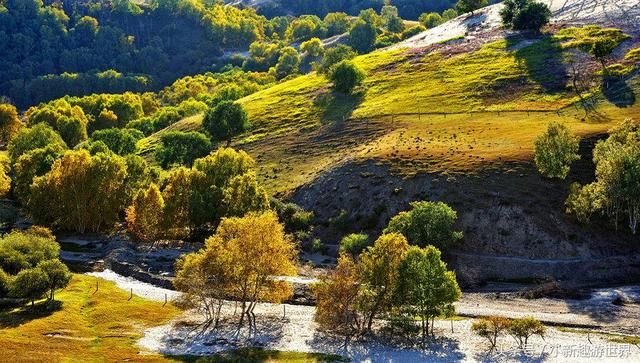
x=451 y=115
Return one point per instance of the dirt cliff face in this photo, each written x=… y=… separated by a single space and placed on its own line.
x=513 y=220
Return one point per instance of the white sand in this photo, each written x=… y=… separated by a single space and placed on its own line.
x=291 y=328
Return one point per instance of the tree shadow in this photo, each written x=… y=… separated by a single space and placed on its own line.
x=336 y=106
x=617 y=91
x=544 y=62
x=13 y=317
x=378 y=349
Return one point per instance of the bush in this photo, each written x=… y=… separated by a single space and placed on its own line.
x=427 y=223
x=182 y=148
x=555 y=150
x=525 y=14
x=354 y=244
x=225 y=121
x=346 y=76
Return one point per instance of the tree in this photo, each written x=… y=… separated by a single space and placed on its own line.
x=312 y=48
x=253 y=251
x=21 y=250
x=5 y=180
x=244 y=195
x=145 y=214
x=178 y=196
x=602 y=48
x=225 y=121
x=616 y=191
x=30 y=284
x=81 y=192
x=362 y=36
x=425 y=287
x=427 y=223
x=336 y=23
x=30 y=138
x=335 y=55
x=392 y=21
x=491 y=328
x=379 y=267
x=525 y=15
x=337 y=299
x=354 y=244
x=182 y=148
x=346 y=76
x=288 y=62
x=469 y=6
x=555 y=150
x=9 y=122
x=58 y=275
x=431 y=20
x=449 y=14
x=523 y=329
x=120 y=141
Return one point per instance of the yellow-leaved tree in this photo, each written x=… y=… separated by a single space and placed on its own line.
x=145 y=214
x=245 y=261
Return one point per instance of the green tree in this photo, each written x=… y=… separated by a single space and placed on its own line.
x=335 y=55
x=449 y=14
x=346 y=76
x=120 y=141
x=288 y=62
x=32 y=164
x=21 y=250
x=470 y=6
x=392 y=21
x=336 y=23
x=182 y=148
x=362 y=36
x=244 y=195
x=379 y=266
x=616 y=190
x=427 y=223
x=431 y=20
x=555 y=150
x=425 y=287
x=58 y=275
x=525 y=14
x=353 y=244
x=225 y=121
x=312 y=48
x=31 y=284
x=9 y=122
x=31 y=138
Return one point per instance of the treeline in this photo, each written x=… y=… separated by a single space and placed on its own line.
x=408 y=9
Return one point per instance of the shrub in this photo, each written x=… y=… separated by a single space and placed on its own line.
x=354 y=244
x=491 y=328
x=346 y=76
x=427 y=223
x=555 y=150
x=225 y=121
x=525 y=14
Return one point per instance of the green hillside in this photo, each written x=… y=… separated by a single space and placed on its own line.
x=450 y=107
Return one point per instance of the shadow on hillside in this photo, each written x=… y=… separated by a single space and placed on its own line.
x=617 y=91
x=543 y=61
x=336 y=106
x=13 y=317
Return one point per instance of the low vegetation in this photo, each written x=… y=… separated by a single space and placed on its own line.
x=493 y=327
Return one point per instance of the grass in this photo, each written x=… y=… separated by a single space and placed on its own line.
x=259 y=355
x=445 y=111
x=612 y=337
x=86 y=326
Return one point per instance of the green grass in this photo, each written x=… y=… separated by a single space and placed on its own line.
x=443 y=111
x=84 y=326
x=612 y=337
x=259 y=355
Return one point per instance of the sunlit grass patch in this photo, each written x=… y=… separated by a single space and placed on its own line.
x=87 y=326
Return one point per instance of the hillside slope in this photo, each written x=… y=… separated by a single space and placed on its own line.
x=455 y=121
